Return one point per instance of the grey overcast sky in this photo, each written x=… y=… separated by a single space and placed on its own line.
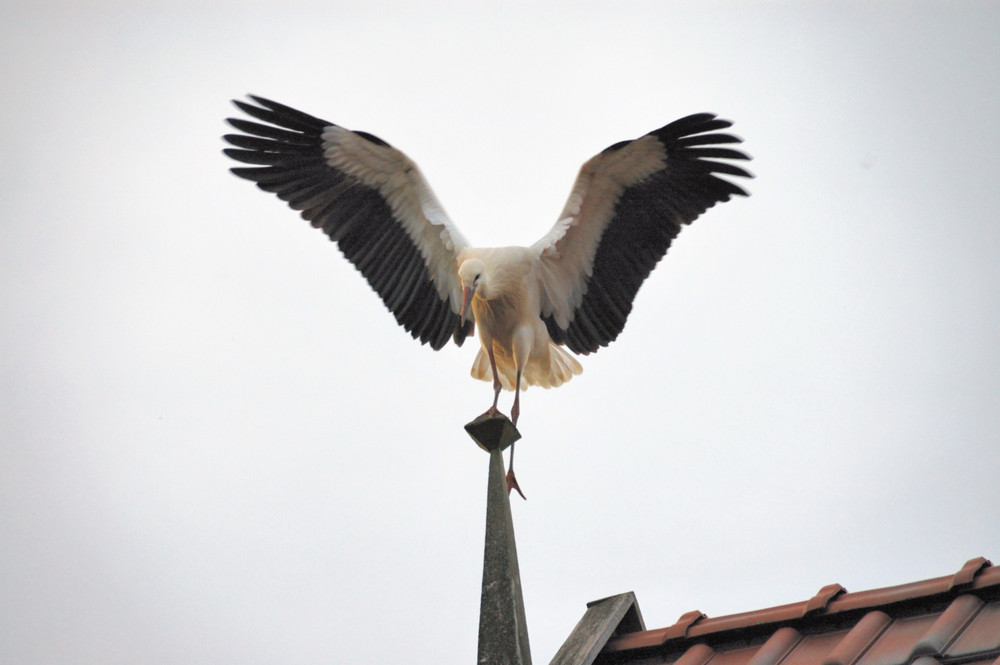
x=216 y=446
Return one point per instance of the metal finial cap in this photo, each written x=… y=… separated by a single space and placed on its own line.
x=493 y=431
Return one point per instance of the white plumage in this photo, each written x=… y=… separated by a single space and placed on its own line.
x=572 y=288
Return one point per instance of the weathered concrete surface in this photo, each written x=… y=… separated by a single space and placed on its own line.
x=603 y=619
x=503 y=630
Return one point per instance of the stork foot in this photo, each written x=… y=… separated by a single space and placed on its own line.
x=512 y=484
x=494 y=412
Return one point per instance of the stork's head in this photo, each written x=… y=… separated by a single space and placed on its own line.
x=472 y=274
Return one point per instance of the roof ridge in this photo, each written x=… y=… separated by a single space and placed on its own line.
x=831 y=600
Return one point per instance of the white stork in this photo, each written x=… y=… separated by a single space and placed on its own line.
x=574 y=287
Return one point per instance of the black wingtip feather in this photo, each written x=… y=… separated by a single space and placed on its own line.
x=285 y=148
x=647 y=217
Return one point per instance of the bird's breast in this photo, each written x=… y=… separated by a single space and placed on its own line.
x=498 y=317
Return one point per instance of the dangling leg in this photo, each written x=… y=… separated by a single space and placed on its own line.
x=515 y=411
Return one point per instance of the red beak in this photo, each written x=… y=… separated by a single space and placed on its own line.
x=467 y=294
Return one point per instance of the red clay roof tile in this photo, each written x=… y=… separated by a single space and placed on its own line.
x=950 y=620
x=777 y=647
x=813 y=649
x=823 y=598
x=857 y=641
x=969 y=571
x=895 y=645
x=983 y=634
x=699 y=654
x=948 y=626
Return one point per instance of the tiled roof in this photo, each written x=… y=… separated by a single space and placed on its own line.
x=951 y=620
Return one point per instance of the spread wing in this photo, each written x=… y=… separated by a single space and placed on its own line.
x=371 y=200
x=628 y=203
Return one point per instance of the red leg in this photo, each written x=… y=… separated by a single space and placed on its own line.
x=496 y=379
x=514 y=412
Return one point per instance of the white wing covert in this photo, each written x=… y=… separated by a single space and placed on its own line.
x=627 y=205
x=370 y=199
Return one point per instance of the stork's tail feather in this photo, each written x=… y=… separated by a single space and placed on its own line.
x=559 y=368
x=549 y=369
x=481 y=369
